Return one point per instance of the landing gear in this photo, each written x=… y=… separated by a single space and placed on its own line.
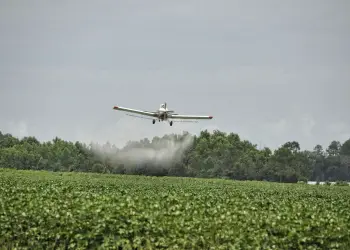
x=154 y=121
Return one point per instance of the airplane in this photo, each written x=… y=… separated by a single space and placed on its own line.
x=162 y=114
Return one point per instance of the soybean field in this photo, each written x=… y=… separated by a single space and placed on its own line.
x=47 y=210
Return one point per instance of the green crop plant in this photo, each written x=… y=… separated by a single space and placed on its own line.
x=46 y=210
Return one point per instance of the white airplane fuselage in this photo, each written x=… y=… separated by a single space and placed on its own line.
x=163 y=112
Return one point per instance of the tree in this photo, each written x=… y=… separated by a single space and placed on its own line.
x=345 y=153
x=217 y=154
x=334 y=148
x=292 y=146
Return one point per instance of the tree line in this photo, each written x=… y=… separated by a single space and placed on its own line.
x=217 y=154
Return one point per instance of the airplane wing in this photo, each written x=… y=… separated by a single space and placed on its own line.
x=136 y=111
x=177 y=116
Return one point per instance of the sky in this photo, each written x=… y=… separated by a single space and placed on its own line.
x=270 y=71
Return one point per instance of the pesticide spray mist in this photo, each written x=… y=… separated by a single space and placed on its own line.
x=161 y=153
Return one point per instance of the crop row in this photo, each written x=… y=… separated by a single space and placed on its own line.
x=47 y=210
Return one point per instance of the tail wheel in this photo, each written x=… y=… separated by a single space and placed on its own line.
x=171 y=123
x=154 y=121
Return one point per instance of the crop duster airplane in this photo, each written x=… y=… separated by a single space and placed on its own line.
x=162 y=114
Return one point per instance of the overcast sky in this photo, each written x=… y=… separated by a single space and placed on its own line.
x=270 y=71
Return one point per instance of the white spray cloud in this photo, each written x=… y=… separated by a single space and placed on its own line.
x=163 y=153
x=159 y=152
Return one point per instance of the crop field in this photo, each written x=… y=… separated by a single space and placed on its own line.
x=44 y=210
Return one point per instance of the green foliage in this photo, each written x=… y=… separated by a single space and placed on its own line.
x=217 y=154
x=44 y=210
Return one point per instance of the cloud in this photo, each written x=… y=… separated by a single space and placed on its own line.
x=256 y=67
x=277 y=128
x=307 y=125
x=264 y=75
x=338 y=127
x=19 y=129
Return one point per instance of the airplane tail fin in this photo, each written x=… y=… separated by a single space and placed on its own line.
x=163 y=105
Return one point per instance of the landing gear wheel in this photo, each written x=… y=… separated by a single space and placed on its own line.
x=154 y=121
x=171 y=123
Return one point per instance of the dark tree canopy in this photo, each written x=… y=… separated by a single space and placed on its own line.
x=216 y=154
